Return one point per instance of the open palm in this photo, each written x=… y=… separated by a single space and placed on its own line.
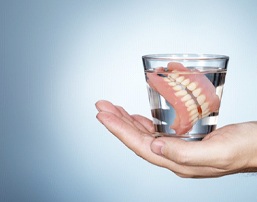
x=230 y=149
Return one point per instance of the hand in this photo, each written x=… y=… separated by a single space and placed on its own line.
x=230 y=149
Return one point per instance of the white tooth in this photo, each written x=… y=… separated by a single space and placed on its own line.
x=172 y=83
x=189 y=102
x=177 y=88
x=205 y=111
x=166 y=79
x=180 y=79
x=205 y=114
x=194 y=120
x=201 y=99
x=194 y=111
x=194 y=116
x=197 y=92
x=174 y=75
x=191 y=107
x=185 y=82
x=204 y=106
x=181 y=93
x=186 y=98
x=171 y=79
x=192 y=86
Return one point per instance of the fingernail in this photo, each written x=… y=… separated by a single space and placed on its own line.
x=157 y=147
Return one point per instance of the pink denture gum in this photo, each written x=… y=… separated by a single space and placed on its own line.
x=192 y=95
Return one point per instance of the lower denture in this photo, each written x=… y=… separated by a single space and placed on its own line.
x=179 y=91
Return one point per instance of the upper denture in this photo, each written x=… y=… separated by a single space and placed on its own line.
x=192 y=96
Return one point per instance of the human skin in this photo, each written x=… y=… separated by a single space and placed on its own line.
x=227 y=150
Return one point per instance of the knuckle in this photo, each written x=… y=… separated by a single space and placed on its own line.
x=182 y=175
x=182 y=157
x=227 y=161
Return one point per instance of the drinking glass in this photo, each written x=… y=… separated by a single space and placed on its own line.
x=185 y=92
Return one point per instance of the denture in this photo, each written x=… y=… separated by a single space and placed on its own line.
x=192 y=96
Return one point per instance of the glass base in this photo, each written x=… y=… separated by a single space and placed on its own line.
x=186 y=137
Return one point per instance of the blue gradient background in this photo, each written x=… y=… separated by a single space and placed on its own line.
x=59 y=57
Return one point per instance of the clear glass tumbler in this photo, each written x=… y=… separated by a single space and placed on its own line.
x=185 y=93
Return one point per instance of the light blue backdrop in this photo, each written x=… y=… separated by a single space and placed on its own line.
x=59 y=57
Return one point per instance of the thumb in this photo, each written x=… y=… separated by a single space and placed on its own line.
x=174 y=149
x=157 y=146
x=167 y=146
x=191 y=153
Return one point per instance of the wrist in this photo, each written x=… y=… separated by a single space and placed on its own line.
x=251 y=129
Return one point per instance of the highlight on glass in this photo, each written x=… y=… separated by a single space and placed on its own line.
x=185 y=92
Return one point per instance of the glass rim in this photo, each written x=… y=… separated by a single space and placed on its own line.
x=185 y=56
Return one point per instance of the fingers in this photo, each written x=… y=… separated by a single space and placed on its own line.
x=199 y=172
x=181 y=168
x=118 y=122
x=112 y=117
x=148 y=124
x=117 y=126
x=131 y=137
x=208 y=158
x=191 y=159
x=198 y=153
x=107 y=106
x=137 y=121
